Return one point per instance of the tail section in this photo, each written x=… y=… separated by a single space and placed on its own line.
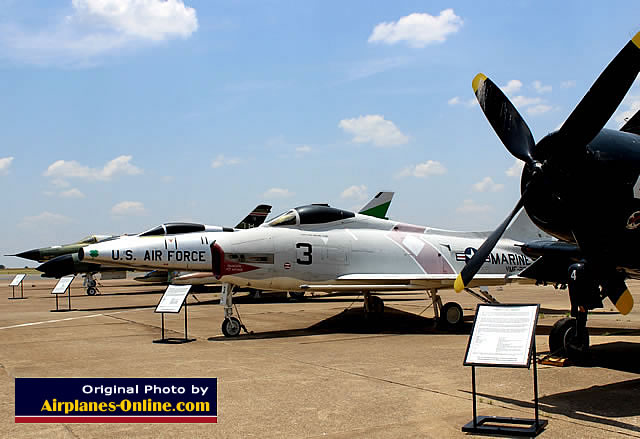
x=524 y=230
x=378 y=206
x=255 y=218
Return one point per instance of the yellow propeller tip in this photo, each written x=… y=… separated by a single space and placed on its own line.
x=480 y=77
x=636 y=40
x=458 y=285
x=624 y=304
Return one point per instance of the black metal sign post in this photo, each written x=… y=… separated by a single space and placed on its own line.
x=14 y=285
x=478 y=355
x=64 y=282
x=174 y=299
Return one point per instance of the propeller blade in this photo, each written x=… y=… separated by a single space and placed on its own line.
x=504 y=118
x=619 y=294
x=474 y=264
x=604 y=96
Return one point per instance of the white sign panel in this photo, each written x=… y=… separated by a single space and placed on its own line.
x=173 y=298
x=62 y=285
x=16 y=280
x=502 y=335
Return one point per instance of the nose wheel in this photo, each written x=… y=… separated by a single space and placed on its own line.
x=231 y=327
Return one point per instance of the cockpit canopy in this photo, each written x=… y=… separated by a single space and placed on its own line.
x=179 y=228
x=92 y=239
x=310 y=214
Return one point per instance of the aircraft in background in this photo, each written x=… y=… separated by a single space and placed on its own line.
x=321 y=248
x=66 y=259
x=580 y=184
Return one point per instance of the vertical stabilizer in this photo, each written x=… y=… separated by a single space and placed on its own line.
x=378 y=206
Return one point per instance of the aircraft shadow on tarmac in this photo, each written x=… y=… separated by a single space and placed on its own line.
x=598 y=404
x=355 y=321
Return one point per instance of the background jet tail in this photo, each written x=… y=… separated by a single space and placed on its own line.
x=524 y=230
x=255 y=218
x=378 y=206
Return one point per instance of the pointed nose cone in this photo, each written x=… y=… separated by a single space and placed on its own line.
x=58 y=267
x=33 y=255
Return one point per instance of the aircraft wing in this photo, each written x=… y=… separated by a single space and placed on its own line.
x=407 y=282
x=255 y=218
x=552 y=260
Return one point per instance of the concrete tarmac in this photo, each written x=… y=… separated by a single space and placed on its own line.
x=317 y=368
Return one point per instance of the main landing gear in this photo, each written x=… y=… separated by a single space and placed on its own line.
x=569 y=336
x=91 y=284
x=231 y=326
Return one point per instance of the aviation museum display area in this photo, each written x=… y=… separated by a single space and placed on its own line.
x=323 y=321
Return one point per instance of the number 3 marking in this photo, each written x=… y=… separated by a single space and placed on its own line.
x=306 y=253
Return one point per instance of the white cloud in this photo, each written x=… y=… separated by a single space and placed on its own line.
x=541 y=88
x=96 y=27
x=632 y=104
x=454 y=100
x=45 y=219
x=417 y=29
x=72 y=193
x=470 y=206
x=568 y=84
x=128 y=208
x=539 y=109
x=516 y=169
x=222 y=161
x=276 y=192
x=364 y=69
x=423 y=170
x=5 y=163
x=355 y=192
x=63 y=169
x=303 y=149
x=373 y=128
x=523 y=101
x=512 y=86
x=457 y=101
x=487 y=185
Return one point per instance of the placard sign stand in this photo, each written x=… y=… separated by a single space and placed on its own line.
x=63 y=285
x=504 y=336
x=171 y=302
x=14 y=283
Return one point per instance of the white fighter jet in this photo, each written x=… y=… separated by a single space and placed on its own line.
x=318 y=247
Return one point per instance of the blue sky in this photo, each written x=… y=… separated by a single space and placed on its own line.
x=118 y=115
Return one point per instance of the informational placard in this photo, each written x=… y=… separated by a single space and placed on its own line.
x=62 y=285
x=502 y=335
x=173 y=298
x=16 y=280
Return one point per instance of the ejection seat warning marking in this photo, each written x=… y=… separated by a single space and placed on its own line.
x=16 y=280
x=173 y=298
x=502 y=335
x=62 y=285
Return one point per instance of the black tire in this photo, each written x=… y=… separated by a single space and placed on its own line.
x=231 y=327
x=451 y=315
x=91 y=291
x=297 y=295
x=563 y=341
x=377 y=304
